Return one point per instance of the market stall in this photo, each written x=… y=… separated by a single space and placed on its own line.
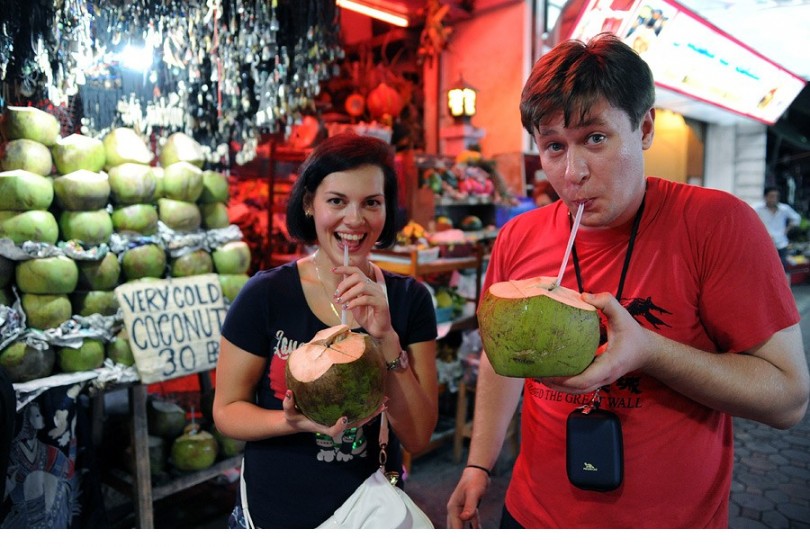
x=147 y=151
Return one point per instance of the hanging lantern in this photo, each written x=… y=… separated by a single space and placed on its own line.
x=384 y=100
x=461 y=101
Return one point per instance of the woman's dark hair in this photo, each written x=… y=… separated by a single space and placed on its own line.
x=574 y=75
x=342 y=152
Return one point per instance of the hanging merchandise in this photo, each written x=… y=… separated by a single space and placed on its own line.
x=221 y=71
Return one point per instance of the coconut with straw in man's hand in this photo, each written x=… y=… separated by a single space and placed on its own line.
x=338 y=373
x=533 y=328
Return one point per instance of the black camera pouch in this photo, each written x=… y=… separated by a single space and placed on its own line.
x=594 y=449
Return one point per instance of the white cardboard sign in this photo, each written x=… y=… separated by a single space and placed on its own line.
x=173 y=324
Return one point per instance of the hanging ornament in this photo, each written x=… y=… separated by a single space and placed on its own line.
x=383 y=101
x=355 y=105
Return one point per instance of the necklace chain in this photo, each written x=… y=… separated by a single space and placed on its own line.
x=323 y=286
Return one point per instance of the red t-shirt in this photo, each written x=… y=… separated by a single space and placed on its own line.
x=701 y=261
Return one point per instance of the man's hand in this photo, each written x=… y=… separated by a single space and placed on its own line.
x=462 y=508
x=626 y=349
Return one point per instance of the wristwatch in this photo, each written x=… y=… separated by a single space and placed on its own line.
x=401 y=362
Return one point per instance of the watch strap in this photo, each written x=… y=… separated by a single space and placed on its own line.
x=401 y=362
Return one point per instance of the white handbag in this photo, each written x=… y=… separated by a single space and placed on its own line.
x=376 y=503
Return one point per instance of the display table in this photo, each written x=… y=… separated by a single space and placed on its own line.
x=139 y=484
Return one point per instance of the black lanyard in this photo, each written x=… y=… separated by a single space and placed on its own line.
x=630 y=245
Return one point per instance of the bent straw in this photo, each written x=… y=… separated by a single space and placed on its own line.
x=567 y=254
x=345 y=263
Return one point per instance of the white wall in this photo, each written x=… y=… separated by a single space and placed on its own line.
x=735 y=159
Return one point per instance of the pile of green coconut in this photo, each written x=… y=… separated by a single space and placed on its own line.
x=80 y=215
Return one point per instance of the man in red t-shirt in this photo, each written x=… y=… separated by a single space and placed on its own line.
x=700 y=323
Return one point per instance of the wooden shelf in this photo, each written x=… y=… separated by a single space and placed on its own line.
x=123 y=481
x=410 y=265
x=139 y=483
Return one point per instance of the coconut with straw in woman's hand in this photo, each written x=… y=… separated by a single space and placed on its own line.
x=533 y=328
x=338 y=373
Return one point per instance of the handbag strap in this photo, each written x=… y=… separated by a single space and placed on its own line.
x=243 y=497
x=392 y=476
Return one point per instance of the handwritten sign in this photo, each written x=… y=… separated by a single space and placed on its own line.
x=173 y=324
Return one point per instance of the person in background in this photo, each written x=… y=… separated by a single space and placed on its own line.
x=778 y=219
x=678 y=362
x=297 y=472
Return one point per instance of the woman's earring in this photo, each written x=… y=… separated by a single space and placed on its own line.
x=308 y=213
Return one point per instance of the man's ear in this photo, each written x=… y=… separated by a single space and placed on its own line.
x=647 y=129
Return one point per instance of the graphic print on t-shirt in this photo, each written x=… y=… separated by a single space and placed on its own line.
x=352 y=443
x=644 y=307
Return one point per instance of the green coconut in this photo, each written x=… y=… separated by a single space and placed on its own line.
x=89 y=302
x=215 y=187
x=89 y=227
x=132 y=183
x=38 y=226
x=139 y=218
x=181 y=147
x=338 y=373
x=27 y=155
x=231 y=284
x=99 y=275
x=144 y=261
x=27 y=122
x=23 y=363
x=194 y=263
x=532 y=328
x=214 y=215
x=119 y=351
x=82 y=190
x=182 y=181
x=49 y=275
x=165 y=419
x=228 y=447
x=46 y=311
x=78 y=152
x=124 y=145
x=88 y=356
x=24 y=191
x=194 y=450
x=231 y=258
x=6 y=271
x=158 y=172
x=181 y=216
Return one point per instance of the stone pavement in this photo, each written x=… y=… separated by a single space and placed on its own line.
x=771 y=487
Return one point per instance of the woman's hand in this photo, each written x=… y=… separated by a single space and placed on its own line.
x=296 y=419
x=365 y=299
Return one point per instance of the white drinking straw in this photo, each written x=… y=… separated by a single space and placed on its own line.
x=345 y=263
x=574 y=229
